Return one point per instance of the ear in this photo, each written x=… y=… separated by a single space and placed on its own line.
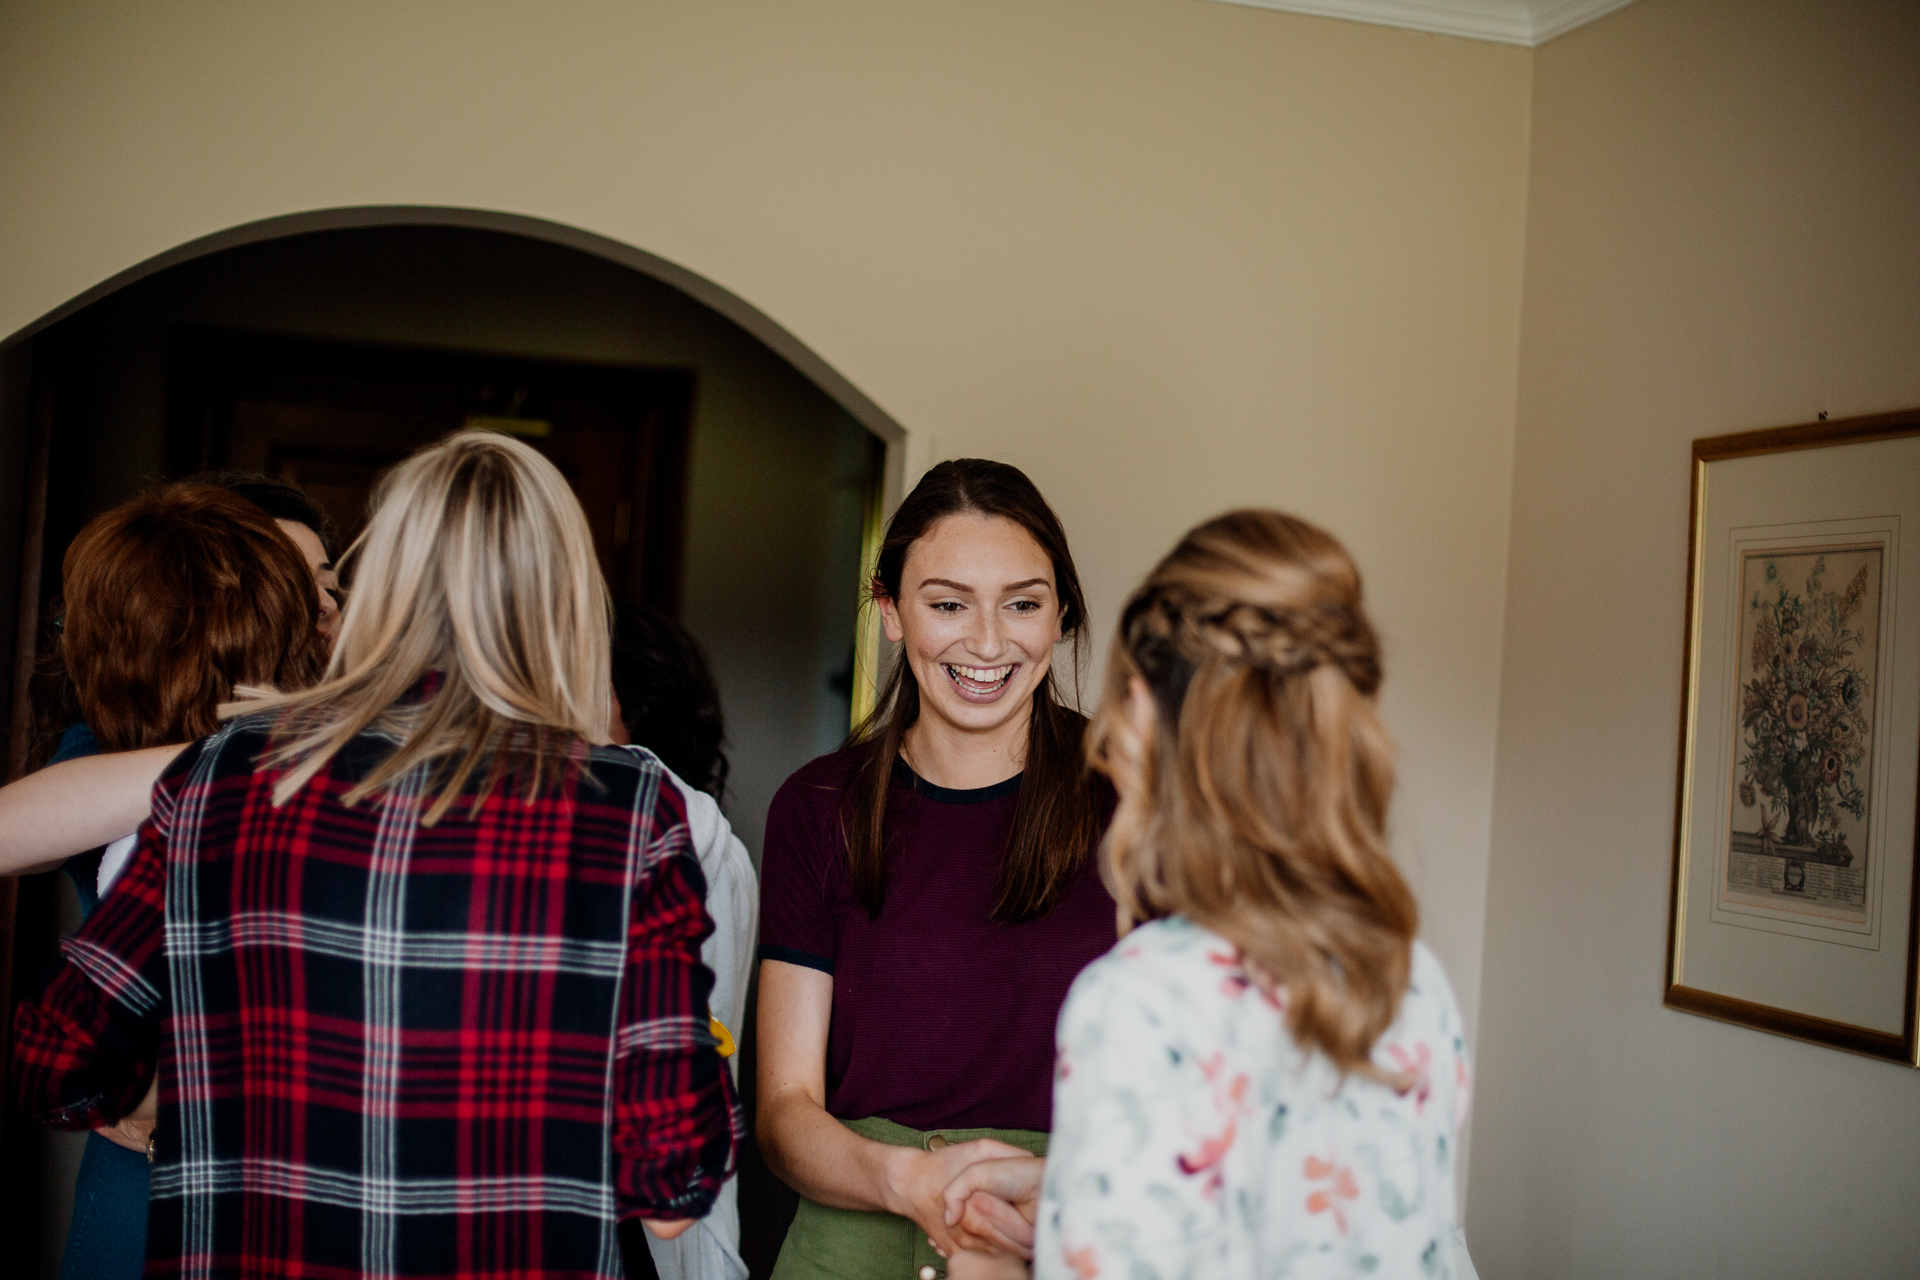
x=890 y=620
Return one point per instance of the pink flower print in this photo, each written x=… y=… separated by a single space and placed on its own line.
x=1462 y=1094
x=1085 y=1262
x=1340 y=1186
x=1419 y=1066
x=1240 y=979
x=1234 y=983
x=1230 y=1100
x=1210 y=1153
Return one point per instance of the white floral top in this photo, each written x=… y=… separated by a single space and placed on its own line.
x=1193 y=1139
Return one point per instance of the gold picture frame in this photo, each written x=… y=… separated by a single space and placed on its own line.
x=1795 y=905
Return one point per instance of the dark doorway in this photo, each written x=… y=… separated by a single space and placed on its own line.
x=721 y=481
x=332 y=416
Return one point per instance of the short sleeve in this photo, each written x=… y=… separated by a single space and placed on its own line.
x=798 y=862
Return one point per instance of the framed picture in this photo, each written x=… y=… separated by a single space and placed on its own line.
x=1795 y=907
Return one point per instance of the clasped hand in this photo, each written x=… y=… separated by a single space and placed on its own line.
x=990 y=1205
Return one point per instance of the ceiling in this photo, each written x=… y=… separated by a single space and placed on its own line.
x=1523 y=22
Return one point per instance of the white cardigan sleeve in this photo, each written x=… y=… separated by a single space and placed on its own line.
x=733 y=900
x=711 y=1251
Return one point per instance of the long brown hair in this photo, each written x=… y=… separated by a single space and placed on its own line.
x=1262 y=808
x=1056 y=816
x=174 y=599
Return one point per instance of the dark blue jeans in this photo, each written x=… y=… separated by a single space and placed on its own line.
x=108 y=1237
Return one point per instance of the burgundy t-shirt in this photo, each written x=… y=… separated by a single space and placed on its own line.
x=943 y=1017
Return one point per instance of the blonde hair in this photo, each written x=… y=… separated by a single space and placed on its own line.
x=1261 y=810
x=477 y=565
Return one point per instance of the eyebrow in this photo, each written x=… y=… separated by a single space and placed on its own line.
x=961 y=586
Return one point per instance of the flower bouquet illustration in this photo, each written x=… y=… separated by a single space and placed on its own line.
x=1806 y=707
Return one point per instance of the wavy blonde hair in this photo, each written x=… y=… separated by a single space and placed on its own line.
x=1262 y=804
x=477 y=565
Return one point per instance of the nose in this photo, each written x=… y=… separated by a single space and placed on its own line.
x=989 y=636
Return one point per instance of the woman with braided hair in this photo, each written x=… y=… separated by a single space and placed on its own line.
x=1267 y=1077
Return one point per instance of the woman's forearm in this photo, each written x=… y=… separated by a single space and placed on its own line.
x=830 y=1164
x=68 y=808
x=824 y=1160
x=818 y=1156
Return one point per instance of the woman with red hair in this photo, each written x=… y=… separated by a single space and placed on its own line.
x=172 y=602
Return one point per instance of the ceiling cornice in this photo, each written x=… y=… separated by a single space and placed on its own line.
x=1522 y=22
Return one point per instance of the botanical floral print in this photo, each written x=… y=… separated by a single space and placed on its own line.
x=1193 y=1140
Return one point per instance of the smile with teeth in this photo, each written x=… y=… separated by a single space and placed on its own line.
x=978 y=680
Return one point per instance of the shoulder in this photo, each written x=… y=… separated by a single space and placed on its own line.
x=624 y=773
x=1161 y=971
x=1429 y=1001
x=722 y=856
x=1427 y=1033
x=1150 y=1020
x=236 y=747
x=823 y=776
x=813 y=796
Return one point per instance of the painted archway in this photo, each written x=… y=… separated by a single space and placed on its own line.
x=729 y=304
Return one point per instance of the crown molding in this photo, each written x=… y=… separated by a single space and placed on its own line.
x=1521 y=22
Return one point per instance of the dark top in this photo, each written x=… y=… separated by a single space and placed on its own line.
x=393 y=1049
x=83 y=868
x=943 y=1017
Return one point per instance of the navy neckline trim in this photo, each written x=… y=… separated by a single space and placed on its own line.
x=904 y=774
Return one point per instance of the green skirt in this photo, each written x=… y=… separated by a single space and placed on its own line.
x=853 y=1244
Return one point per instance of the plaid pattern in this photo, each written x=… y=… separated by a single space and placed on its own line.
x=393 y=1050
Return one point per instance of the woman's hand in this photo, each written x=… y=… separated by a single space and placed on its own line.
x=668 y=1228
x=917 y=1181
x=135 y=1129
x=991 y=1205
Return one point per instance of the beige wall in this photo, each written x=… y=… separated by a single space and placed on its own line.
x=1169 y=256
x=1723 y=234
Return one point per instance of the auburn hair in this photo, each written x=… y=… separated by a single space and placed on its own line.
x=1057 y=815
x=1261 y=805
x=174 y=600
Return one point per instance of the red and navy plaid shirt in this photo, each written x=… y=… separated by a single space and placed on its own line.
x=386 y=1049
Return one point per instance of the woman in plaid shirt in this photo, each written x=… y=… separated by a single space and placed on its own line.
x=415 y=955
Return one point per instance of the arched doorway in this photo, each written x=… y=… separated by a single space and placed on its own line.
x=730 y=475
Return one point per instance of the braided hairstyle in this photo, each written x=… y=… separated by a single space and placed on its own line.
x=1262 y=799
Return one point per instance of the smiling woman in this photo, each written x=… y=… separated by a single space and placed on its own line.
x=928 y=892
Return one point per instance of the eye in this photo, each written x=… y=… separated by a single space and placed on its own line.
x=1025 y=606
x=946 y=606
